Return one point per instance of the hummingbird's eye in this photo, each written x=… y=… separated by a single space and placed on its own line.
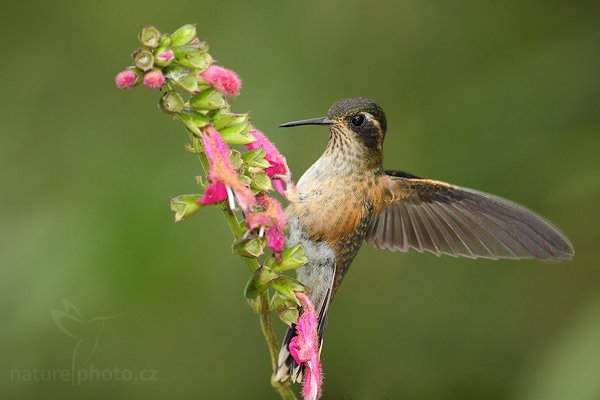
x=358 y=120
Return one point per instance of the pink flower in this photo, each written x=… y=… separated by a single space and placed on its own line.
x=275 y=240
x=224 y=80
x=278 y=171
x=271 y=221
x=166 y=55
x=126 y=79
x=225 y=181
x=154 y=79
x=305 y=348
x=214 y=193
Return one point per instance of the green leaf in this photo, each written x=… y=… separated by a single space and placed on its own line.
x=223 y=118
x=193 y=120
x=208 y=100
x=286 y=309
x=185 y=205
x=287 y=286
x=171 y=102
x=251 y=248
x=183 y=35
x=236 y=159
x=256 y=158
x=259 y=282
x=291 y=258
x=261 y=182
x=191 y=57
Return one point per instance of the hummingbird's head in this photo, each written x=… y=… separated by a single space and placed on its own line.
x=355 y=123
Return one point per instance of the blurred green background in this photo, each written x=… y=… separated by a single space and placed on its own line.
x=501 y=96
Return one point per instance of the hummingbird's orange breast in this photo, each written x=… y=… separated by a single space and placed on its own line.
x=333 y=208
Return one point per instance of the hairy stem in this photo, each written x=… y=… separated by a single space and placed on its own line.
x=283 y=388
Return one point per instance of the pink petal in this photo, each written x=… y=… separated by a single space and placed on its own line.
x=214 y=193
x=126 y=79
x=220 y=168
x=166 y=55
x=273 y=214
x=224 y=80
x=218 y=154
x=154 y=79
x=275 y=240
x=244 y=195
x=274 y=208
x=279 y=168
x=280 y=186
x=304 y=348
x=258 y=219
x=313 y=379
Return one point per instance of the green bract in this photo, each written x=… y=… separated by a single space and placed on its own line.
x=183 y=35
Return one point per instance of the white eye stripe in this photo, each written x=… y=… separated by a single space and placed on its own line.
x=372 y=119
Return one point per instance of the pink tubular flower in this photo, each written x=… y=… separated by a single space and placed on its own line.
x=154 y=79
x=304 y=347
x=271 y=221
x=224 y=178
x=224 y=80
x=278 y=171
x=126 y=79
x=275 y=240
x=166 y=55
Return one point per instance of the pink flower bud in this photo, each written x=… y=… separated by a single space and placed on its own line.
x=154 y=79
x=224 y=80
x=166 y=55
x=126 y=79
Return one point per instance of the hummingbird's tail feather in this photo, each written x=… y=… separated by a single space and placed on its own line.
x=287 y=367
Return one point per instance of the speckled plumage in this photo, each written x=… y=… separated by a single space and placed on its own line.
x=330 y=210
x=346 y=198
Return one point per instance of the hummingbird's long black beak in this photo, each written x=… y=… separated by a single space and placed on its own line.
x=312 y=121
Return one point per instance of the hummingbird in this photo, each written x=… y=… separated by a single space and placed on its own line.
x=347 y=198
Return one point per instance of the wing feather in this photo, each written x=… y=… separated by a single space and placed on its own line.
x=440 y=218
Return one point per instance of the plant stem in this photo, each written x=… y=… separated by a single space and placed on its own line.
x=283 y=388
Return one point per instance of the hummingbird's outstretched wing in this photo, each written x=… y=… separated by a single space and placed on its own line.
x=428 y=215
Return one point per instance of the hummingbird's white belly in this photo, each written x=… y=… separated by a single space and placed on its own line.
x=318 y=273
